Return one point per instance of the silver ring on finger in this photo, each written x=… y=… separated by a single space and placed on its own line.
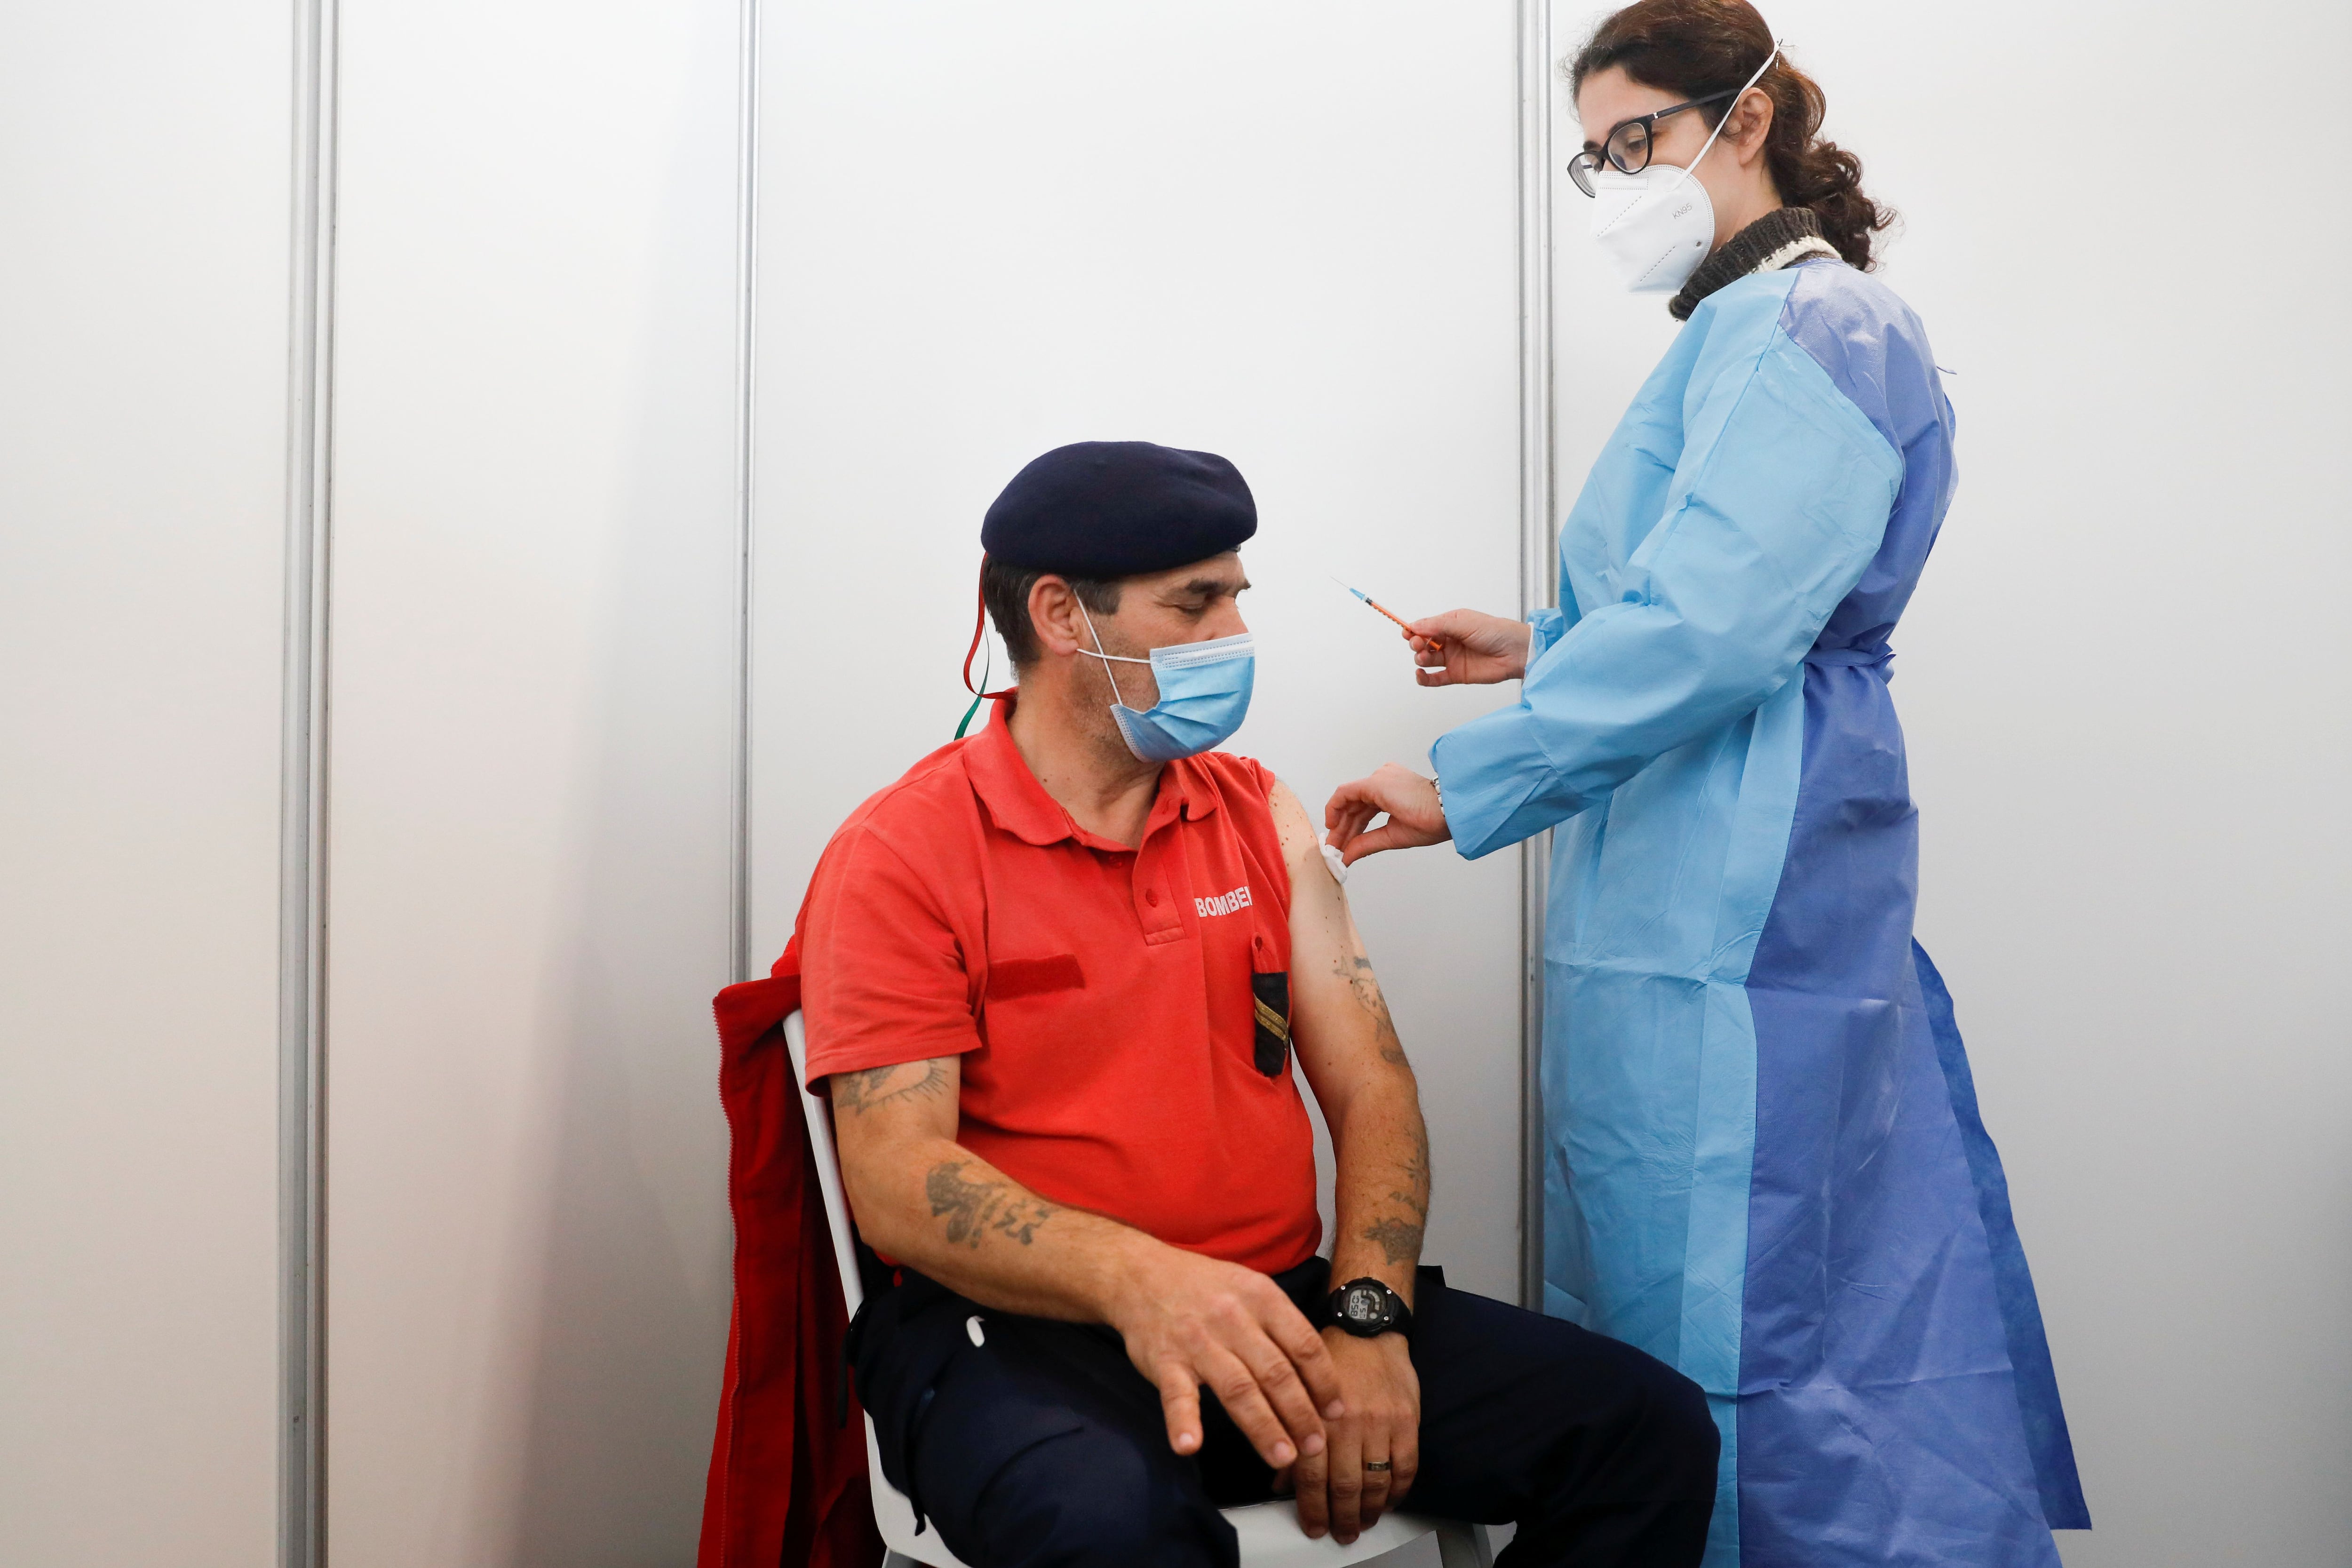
x=1376 y=1463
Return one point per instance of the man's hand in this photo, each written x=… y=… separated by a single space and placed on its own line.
x=1188 y=1320
x=1415 y=816
x=1466 y=647
x=1383 y=1422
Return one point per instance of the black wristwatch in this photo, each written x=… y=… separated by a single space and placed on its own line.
x=1368 y=1309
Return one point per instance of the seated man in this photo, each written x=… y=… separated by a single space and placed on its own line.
x=1055 y=977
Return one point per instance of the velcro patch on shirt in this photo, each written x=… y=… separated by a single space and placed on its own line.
x=1272 y=994
x=1223 y=903
x=1010 y=977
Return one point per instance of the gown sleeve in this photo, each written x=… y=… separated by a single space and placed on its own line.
x=1547 y=625
x=1779 y=501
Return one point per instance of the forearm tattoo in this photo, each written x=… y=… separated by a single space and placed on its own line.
x=1399 y=1240
x=1357 y=970
x=973 y=1208
x=1397 y=1235
x=862 y=1092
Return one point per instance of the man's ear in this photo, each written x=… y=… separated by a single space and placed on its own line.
x=1053 y=616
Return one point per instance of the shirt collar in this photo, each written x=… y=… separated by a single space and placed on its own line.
x=1018 y=803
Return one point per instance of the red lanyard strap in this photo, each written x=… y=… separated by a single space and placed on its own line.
x=979 y=630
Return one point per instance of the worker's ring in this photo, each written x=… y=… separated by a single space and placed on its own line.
x=1376 y=1463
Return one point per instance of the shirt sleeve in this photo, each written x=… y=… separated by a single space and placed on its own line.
x=883 y=972
x=1779 y=501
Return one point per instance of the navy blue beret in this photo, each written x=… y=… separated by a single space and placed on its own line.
x=1118 y=508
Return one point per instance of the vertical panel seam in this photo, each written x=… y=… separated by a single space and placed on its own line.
x=1536 y=585
x=747 y=225
x=302 y=796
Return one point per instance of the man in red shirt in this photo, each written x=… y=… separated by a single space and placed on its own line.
x=1054 y=979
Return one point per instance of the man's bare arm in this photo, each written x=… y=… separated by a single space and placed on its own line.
x=925 y=1199
x=922 y=1197
x=1347 y=1044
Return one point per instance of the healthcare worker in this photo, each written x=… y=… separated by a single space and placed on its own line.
x=1763 y=1161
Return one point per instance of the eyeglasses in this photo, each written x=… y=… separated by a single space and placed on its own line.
x=1627 y=148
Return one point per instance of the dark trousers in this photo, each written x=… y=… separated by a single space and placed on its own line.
x=1043 y=1447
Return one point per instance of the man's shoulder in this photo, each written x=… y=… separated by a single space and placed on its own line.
x=909 y=814
x=935 y=784
x=1239 y=780
x=1244 y=790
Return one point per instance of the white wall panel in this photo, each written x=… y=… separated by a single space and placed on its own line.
x=2126 y=684
x=144 y=176
x=1284 y=233
x=532 y=622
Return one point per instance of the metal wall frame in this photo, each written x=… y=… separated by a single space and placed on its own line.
x=1538 y=585
x=747 y=357
x=302 y=800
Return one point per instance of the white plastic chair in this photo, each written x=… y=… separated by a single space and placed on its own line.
x=1270 y=1536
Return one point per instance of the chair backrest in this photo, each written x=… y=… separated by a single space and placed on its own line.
x=818 y=1112
x=893 y=1516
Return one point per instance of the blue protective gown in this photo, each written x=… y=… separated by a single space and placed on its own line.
x=1763 y=1158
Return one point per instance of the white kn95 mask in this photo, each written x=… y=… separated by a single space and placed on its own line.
x=1657 y=226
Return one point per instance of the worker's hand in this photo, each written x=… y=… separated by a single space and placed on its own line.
x=1383 y=1422
x=1189 y=1321
x=1415 y=816
x=1466 y=647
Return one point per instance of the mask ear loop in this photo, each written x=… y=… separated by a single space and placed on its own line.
x=979 y=631
x=1708 y=145
x=1106 y=657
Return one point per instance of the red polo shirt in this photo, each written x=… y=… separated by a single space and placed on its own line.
x=1101 y=997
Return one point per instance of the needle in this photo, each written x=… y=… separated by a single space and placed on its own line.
x=1392 y=614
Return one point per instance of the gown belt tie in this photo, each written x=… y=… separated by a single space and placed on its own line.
x=1873 y=657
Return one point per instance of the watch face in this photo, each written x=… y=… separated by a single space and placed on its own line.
x=1362 y=1304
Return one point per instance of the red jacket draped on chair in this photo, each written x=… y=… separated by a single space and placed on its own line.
x=787 y=1483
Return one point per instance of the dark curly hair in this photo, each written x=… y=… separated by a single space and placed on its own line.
x=1695 y=47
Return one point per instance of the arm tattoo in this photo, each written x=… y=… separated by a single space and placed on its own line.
x=1398 y=1234
x=1357 y=971
x=862 y=1092
x=1416 y=1176
x=973 y=1208
x=1399 y=1238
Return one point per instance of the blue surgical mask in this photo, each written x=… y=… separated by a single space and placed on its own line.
x=1204 y=694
